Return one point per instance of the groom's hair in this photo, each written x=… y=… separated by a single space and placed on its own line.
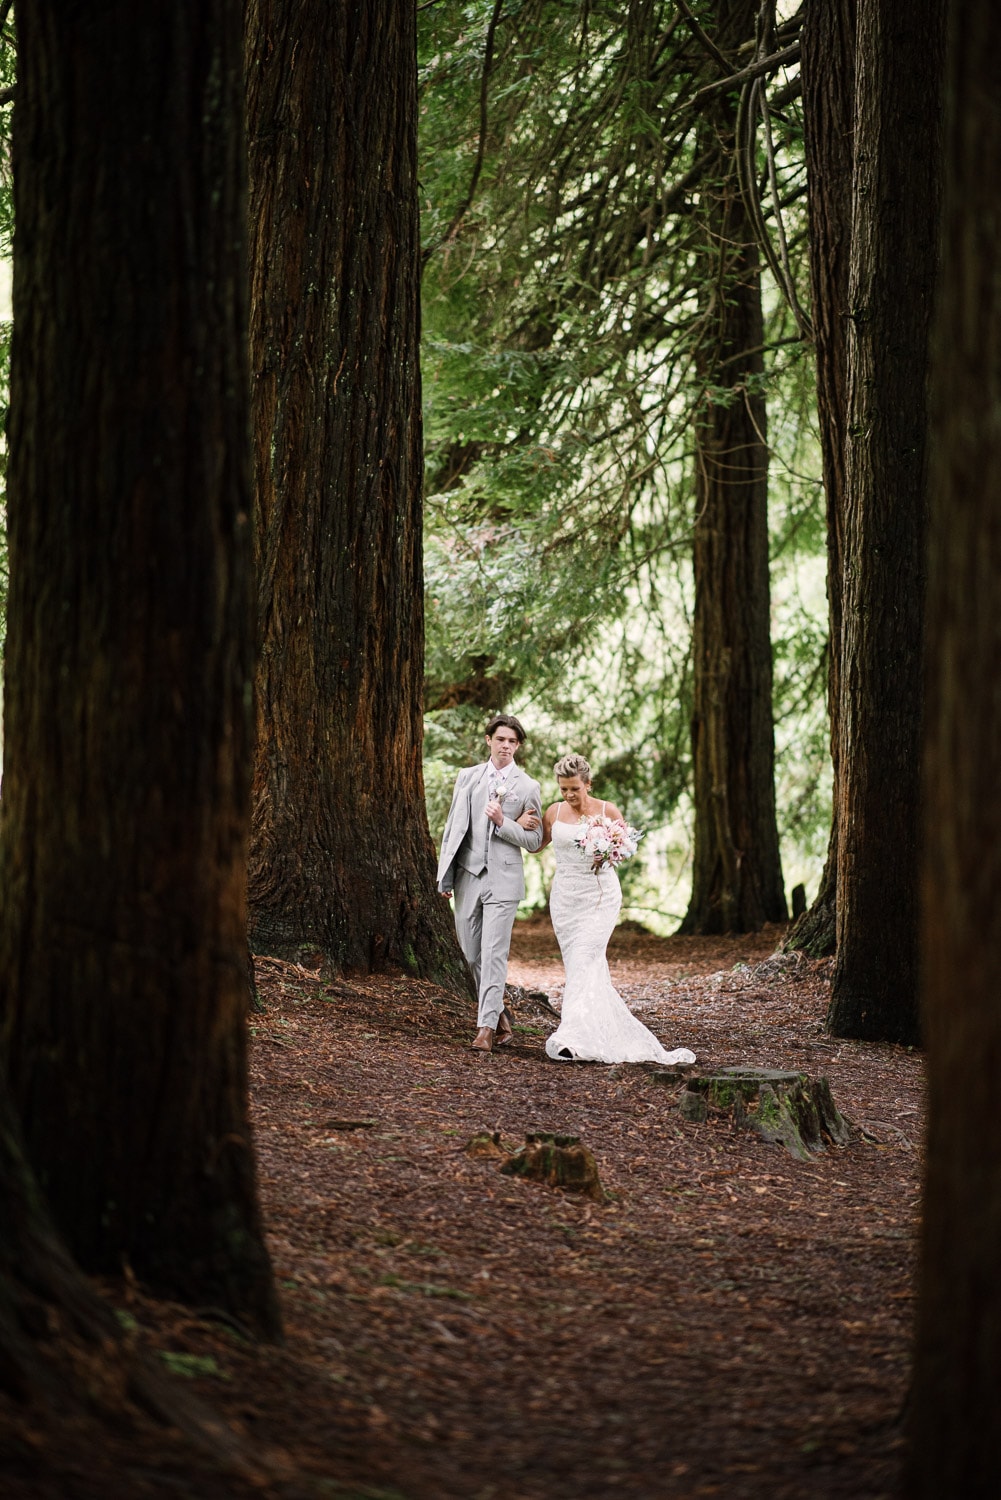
x=505 y=721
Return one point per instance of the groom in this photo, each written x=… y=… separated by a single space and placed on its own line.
x=481 y=862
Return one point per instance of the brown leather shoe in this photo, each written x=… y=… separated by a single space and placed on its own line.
x=505 y=1031
x=483 y=1041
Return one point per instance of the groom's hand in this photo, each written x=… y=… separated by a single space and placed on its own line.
x=495 y=812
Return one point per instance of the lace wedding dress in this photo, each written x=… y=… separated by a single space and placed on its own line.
x=596 y=1025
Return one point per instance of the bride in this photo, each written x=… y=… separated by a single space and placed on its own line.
x=596 y=1025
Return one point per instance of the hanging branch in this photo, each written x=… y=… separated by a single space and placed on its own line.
x=746 y=134
x=704 y=39
x=782 y=59
x=802 y=321
x=467 y=202
x=753 y=102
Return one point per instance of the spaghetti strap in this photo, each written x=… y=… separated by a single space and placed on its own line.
x=603 y=806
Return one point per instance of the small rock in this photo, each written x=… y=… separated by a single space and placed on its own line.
x=671 y=1075
x=693 y=1107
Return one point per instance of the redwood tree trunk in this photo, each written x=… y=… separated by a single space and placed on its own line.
x=40 y=1288
x=342 y=862
x=894 y=256
x=827 y=69
x=737 y=874
x=955 y=1411
x=123 y=823
x=71 y=1379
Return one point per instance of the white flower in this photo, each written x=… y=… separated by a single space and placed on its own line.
x=607 y=842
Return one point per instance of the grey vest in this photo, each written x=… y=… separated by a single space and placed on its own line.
x=472 y=855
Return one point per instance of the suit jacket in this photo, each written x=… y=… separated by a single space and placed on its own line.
x=504 y=846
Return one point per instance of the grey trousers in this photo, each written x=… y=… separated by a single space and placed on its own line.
x=483 y=927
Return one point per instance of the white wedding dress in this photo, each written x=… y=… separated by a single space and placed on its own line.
x=596 y=1025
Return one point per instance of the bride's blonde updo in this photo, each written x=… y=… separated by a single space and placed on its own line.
x=573 y=765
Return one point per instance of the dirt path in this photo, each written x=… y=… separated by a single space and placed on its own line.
x=731 y=1322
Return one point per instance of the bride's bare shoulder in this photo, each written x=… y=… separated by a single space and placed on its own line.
x=550 y=813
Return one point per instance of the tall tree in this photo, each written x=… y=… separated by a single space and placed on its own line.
x=341 y=857
x=125 y=810
x=737 y=873
x=893 y=265
x=955 y=1411
x=828 y=72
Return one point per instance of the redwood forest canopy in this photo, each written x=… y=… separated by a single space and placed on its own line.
x=575 y=164
x=566 y=202
x=637 y=238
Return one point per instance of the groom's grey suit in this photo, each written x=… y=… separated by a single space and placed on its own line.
x=481 y=863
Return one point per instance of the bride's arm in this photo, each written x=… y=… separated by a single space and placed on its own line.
x=529 y=820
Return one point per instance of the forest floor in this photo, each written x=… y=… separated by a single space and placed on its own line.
x=731 y=1321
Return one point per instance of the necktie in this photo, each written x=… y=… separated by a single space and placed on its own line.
x=479 y=829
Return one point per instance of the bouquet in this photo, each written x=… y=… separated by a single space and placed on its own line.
x=607 y=841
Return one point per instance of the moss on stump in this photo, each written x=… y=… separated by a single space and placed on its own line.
x=558 y=1161
x=486 y=1146
x=785 y=1108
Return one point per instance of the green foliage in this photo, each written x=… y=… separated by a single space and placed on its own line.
x=193 y=1366
x=561 y=322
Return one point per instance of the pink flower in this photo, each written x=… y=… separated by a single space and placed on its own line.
x=608 y=841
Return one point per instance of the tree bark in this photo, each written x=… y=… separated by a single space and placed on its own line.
x=39 y=1285
x=52 y=1326
x=788 y=1109
x=123 y=824
x=955 y=1411
x=342 y=863
x=827 y=68
x=894 y=256
x=72 y=1379
x=737 y=873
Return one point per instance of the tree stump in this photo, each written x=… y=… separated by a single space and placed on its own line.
x=785 y=1108
x=486 y=1146
x=558 y=1161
